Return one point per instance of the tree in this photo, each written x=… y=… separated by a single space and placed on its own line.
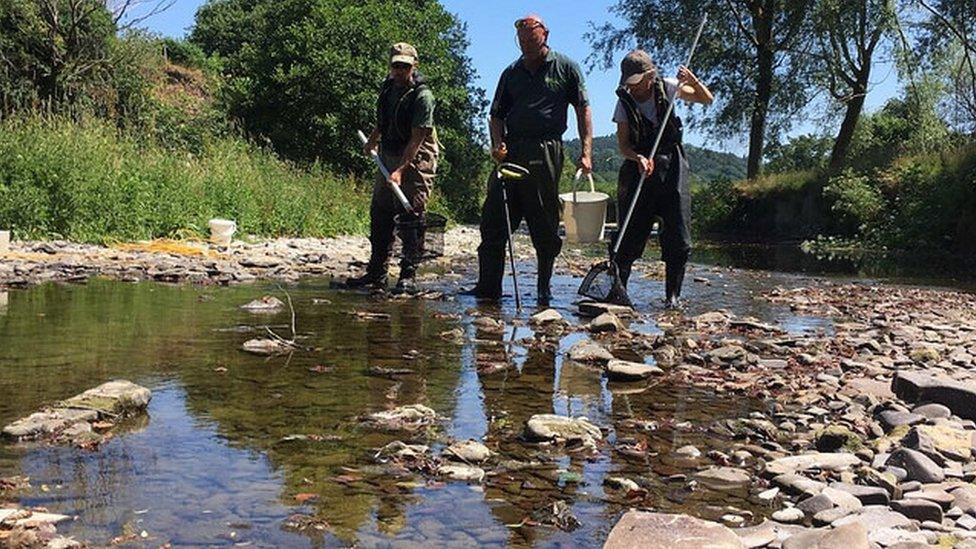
x=53 y=50
x=304 y=74
x=950 y=34
x=804 y=152
x=754 y=56
x=850 y=33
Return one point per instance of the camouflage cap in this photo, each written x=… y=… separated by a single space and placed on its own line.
x=401 y=52
x=634 y=66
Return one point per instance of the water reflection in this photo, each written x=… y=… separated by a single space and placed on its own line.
x=233 y=439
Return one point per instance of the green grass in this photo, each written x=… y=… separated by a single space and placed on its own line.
x=88 y=182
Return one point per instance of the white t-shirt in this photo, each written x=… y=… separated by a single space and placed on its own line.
x=647 y=108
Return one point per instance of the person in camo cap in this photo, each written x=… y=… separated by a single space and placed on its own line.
x=407 y=142
x=528 y=119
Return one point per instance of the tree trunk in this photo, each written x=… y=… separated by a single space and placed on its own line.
x=838 y=156
x=757 y=130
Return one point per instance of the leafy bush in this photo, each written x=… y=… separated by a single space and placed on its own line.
x=88 y=182
x=855 y=202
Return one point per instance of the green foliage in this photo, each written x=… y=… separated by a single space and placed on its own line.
x=86 y=181
x=907 y=125
x=855 y=202
x=804 y=152
x=54 y=58
x=304 y=74
x=713 y=205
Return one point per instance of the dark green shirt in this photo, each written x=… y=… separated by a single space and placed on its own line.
x=390 y=109
x=534 y=105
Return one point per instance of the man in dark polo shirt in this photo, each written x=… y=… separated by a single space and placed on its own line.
x=408 y=148
x=528 y=118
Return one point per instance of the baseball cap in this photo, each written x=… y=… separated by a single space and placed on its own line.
x=634 y=66
x=401 y=52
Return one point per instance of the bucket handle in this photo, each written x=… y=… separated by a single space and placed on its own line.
x=576 y=179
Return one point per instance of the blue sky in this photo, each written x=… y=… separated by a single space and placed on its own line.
x=493 y=47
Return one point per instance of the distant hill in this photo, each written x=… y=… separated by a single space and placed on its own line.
x=706 y=165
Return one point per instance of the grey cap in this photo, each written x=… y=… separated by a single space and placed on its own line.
x=634 y=66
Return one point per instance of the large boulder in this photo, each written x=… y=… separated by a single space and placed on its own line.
x=918 y=387
x=937 y=441
x=119 y=397
x=667 y=531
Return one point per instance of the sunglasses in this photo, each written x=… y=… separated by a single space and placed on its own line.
x=528 y=24
x=401 y=66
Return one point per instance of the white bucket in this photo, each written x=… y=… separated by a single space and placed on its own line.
x=221 y=231
x=584 y=213
x=4 y=241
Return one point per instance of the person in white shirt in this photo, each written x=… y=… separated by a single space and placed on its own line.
x=643 y=99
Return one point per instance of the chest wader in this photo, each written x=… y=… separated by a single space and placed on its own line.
x=665 y=195
x=535 y=199
x=416 y=184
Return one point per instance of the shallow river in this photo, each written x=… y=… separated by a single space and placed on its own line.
x=208 y=464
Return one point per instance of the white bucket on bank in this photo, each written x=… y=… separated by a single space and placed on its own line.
x=584 y=213
x=4 y=241
x=221 y=231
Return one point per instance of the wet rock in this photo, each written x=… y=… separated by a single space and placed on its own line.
x=867 y=495
x=594 y=309
x=588 y=351
x=47 y=422
x=919 y=387
x=558 y=514
x=548 y=316
x=723 y=478
x=551 y=427
x=918 y=509
x=467 y=473
x=266 y=304
x=266 y=347
x=620 y=483
x=407 y=418
x=606 y=322
x=667 y=531
x=837 y=437
x=30 y=519
x=488 y=324
x=849 y=536
x=117 y=397
x=944 y=440
x=401 y=450
x=919 y=466
x=622 y=370
x=790 y=515
x=469 y=451
x=804 y=462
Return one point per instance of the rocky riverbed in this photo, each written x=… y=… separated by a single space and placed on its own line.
x=723 y=425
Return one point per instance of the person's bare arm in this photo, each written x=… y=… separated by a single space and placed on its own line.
x=496 y=132
x=584 y=124
x=691 y=89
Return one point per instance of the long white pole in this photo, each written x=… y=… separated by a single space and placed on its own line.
x=386 y=174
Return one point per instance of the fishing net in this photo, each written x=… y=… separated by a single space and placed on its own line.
x=421 y=236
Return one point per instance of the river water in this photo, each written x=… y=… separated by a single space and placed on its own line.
x=211 y=463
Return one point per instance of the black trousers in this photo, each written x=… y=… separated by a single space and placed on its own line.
x=534 y=199
x=665 y=195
